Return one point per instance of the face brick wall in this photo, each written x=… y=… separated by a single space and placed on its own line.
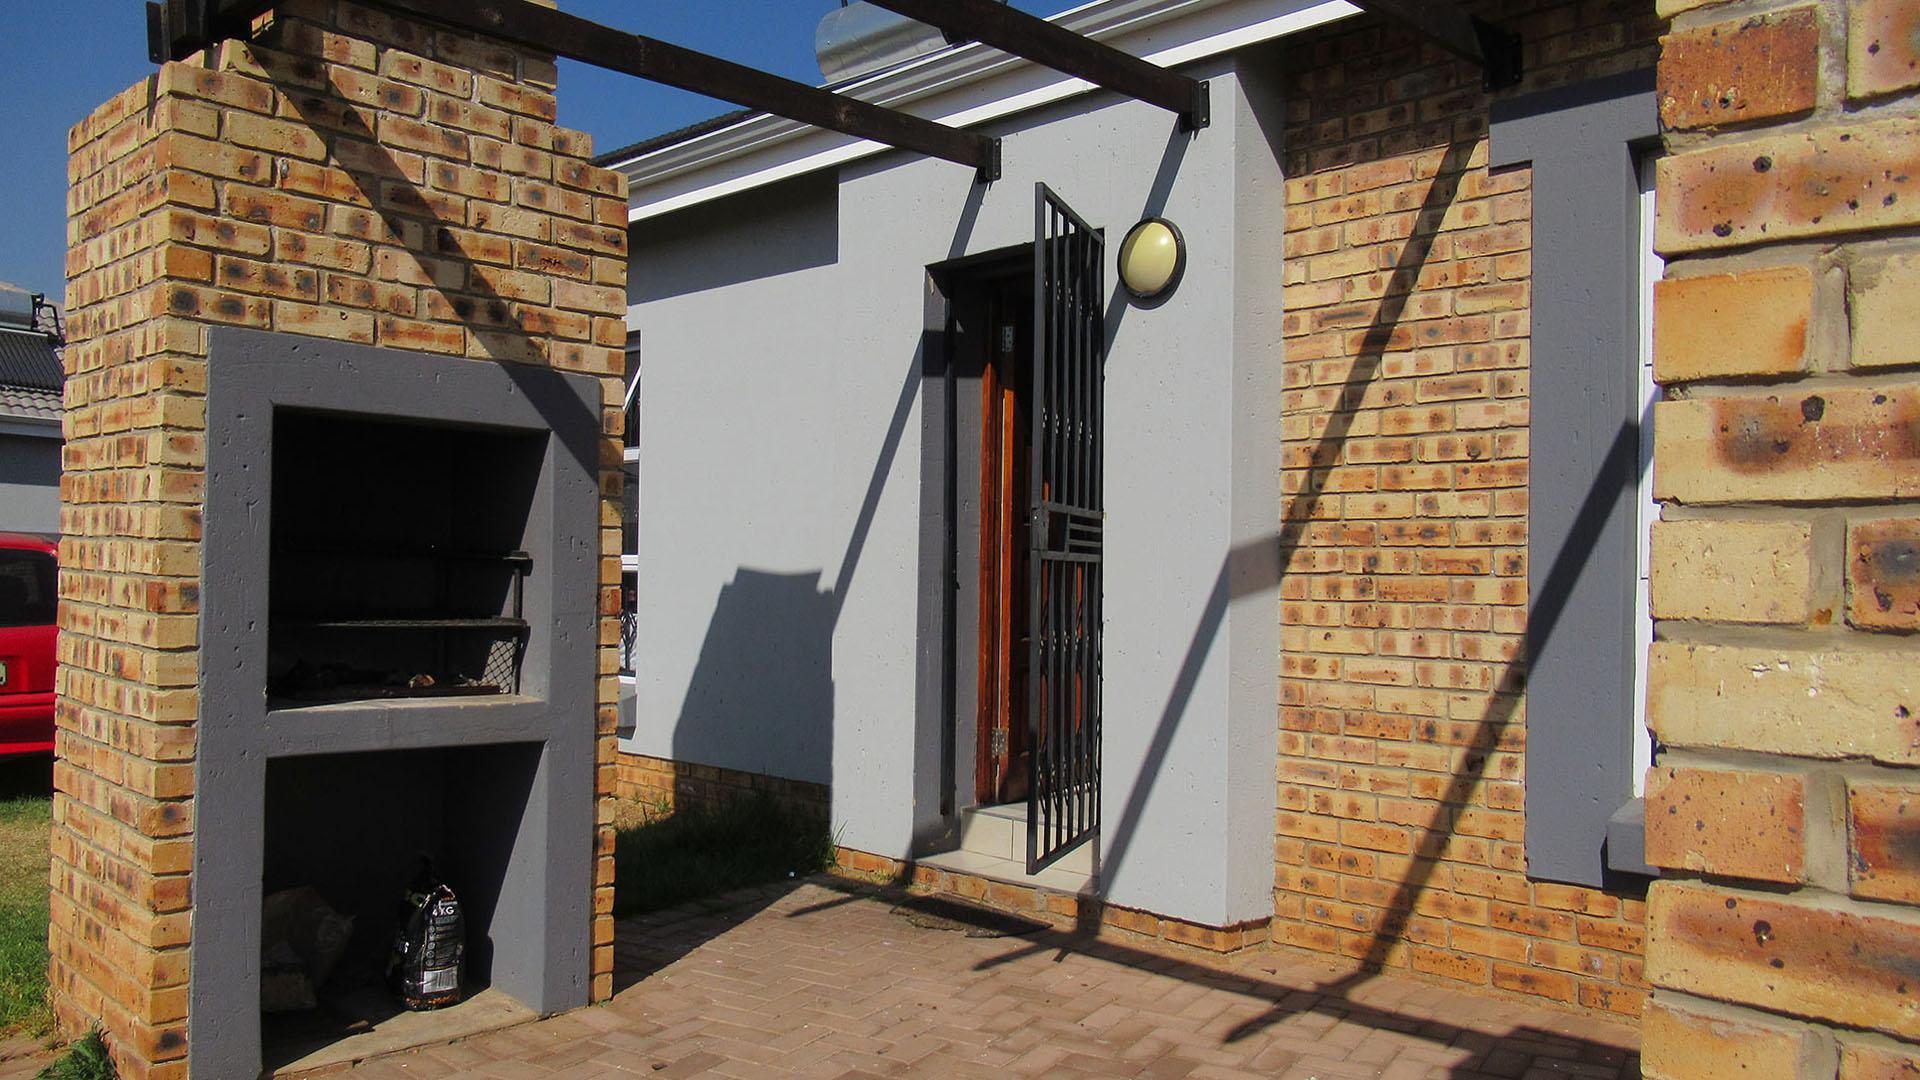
x=1404 y=515
x=662 y=786
x=1786 y=678
x=346 y=175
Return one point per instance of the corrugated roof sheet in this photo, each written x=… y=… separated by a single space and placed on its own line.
x=28 y=359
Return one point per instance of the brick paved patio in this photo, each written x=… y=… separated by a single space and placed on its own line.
x=816 y=981
x=813 y=981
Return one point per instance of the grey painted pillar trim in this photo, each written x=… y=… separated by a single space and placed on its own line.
x=1582 y=532
x=548 y=915
x=935 y=753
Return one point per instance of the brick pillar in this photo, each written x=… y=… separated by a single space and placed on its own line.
x=347 y=175
x=1786 y=679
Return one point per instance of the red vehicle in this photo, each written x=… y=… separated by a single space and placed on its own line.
x=27 y=587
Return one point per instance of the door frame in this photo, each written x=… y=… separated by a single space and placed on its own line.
x=946 y=697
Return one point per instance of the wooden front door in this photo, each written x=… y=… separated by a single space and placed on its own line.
x=1001 y=774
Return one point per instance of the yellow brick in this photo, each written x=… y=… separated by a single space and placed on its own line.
x=1688 y=1040
x=1789 y=446
x=1727 y=822
x=1827 y=704
x=1750 y=323
x=1732 y=571
x=274 y=136
x=1881 y=296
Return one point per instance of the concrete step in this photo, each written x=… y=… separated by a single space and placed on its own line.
x=1000 y=832
x=1011 y=872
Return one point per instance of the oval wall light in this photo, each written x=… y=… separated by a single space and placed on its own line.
x=1152 y=256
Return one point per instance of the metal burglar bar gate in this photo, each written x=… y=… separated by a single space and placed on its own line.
x=1063 y=689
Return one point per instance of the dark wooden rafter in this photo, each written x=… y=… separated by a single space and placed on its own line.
x=1494 y=49
x=1007 y=28
x=178 y=27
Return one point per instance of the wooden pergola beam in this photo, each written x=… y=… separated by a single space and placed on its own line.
x=178 y=27
x=1007 y=28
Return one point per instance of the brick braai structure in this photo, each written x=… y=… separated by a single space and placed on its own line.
x=346 y=175
x=1786 y=681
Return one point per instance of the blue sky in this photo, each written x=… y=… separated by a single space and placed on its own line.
x=59 y=60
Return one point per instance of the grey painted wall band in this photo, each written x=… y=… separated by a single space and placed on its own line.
x=1583 y=523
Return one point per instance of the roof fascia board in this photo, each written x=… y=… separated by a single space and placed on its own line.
x=763 y=149
x=911 y=81
x=32 y=427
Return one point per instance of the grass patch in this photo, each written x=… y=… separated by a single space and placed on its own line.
x=86 y=1059
x=26 y=810
x=670 y=858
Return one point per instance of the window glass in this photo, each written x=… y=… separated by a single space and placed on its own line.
x=631 y=381
x=26 y=588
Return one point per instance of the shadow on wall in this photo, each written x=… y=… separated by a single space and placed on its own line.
x=761 y=695
x=1252 y=567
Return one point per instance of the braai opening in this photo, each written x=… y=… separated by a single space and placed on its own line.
x=465 y=809
x=399 y=560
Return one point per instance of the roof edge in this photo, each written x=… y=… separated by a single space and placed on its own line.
x=712 y=143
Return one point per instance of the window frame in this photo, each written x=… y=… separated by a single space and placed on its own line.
x=1583 y=143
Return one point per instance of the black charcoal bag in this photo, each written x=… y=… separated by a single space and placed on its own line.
x=429 y=944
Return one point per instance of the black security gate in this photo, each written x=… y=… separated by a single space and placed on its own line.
x=1063 y=688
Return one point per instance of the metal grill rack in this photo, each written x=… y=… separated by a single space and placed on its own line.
x=490 y=647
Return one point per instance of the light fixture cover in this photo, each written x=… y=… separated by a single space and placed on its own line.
x=1151 y=258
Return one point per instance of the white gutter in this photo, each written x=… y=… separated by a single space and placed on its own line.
x=762 y=149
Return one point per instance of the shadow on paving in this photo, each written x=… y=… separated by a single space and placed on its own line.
x=643 y=944
x=647 y=945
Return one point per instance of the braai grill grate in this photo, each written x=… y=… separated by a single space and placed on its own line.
x=371 y=640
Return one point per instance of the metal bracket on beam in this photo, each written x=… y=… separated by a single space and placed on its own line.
x=1005 y=27
x=178 y=28
x=1500 y=50
x=1494 y=49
